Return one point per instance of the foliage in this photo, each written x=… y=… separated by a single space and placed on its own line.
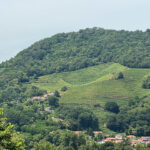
x=76 y=50
x=57 y=94
x=146 y=83
x=112 y=106
x=44 y=145
x=51 y=58
x=64 y=88
x=16 y=92
x=79 y=118
x=120 y=76
x=9 y=138
x=53 y=101
x=131 y=118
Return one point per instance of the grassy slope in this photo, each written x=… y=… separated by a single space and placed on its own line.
x=97 y=84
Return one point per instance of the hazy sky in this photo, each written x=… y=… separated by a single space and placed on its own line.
x=22 y=22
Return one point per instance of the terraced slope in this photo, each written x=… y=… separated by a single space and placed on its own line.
x=97 y=84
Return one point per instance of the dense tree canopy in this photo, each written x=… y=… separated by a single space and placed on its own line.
x=112 y=106
x=75 y=50
x=9 y=138
x=53 y=101
x=146 y=83
x=79 y=118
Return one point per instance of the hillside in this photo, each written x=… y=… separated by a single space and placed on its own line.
x=97 y=84
x=97 y=68
x=76 y=50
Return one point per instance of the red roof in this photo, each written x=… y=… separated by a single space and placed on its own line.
x=77 y=132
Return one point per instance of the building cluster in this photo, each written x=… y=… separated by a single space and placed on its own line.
x=117 y=139
x=143 y=140
x=41 y=99
x=132 y=139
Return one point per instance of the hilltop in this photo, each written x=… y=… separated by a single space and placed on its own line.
x=88 y=47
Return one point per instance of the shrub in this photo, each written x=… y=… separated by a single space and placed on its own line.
x=64 y=89
x=112 y=107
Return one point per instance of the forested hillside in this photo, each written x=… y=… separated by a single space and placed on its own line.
x=76 y=50
x=62 y=90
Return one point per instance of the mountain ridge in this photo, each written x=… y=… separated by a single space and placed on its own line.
x=77 y=50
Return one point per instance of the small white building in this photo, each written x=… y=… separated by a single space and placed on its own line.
x=131 y=137
x=49 y=109
x=101 y=142
x=118 y=137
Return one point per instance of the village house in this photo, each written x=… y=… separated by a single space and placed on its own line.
x=101 y=142
x=52 y=93
x=118 y=137
x=78 y=132
x=46 y=95
x=118 y=141
x=37 y=98
x=97 y=132
x=135 y=142
x=145 y=140
x=131 y=137
x=112 y=139
x=49 y=109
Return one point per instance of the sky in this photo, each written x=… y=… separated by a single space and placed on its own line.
x=23 y=22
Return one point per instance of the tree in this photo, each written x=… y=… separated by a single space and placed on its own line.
x=57 y=94
x=120 y=76
x=146 y=83
x=64 y=88
x=72 y=140
x=112 y=107
x=9 y=138
x=53 y=101
x=44 y=145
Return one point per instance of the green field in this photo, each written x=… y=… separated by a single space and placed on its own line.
x=97 y=84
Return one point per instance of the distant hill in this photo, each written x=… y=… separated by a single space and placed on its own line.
x=76 y=50
x=95 y=67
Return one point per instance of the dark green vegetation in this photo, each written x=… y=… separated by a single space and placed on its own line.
x=9 y=138
x=112 y=107
x=120 y=76
x=82 y=106
x=79 y=118
x=76 y=50
x=93 y=90
x=146 y=83
x=134 y=117
x=53 y=101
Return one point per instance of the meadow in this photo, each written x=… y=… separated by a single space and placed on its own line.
x=97 y=84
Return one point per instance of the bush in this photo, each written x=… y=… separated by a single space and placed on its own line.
x=112 y=107
x=64 y=89
x=53 y=101
x=57 y=94
x=120 y=76
x=79 y=118
x=146 y=83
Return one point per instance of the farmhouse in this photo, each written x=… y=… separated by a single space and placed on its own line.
x=78 y=132
x=37 y=98
x=131 y=137
x=48 y=109
x=97 y=132
x=118 y=137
